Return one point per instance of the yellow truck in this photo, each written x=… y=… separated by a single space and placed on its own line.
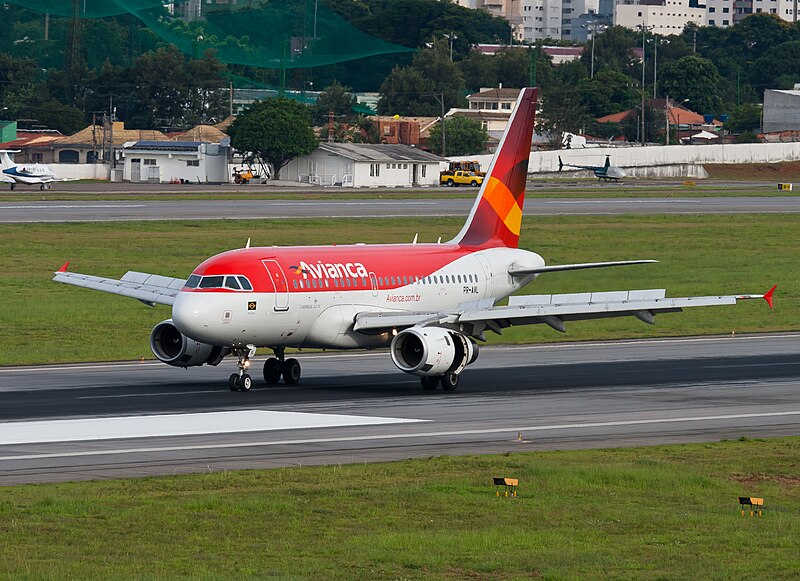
x=460 y=178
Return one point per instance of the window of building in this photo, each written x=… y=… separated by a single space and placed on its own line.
x=193 y=162
x=149 y=161
x=424 y=167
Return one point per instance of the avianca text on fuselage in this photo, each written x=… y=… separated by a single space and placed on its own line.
x=330 y=270
x=428 y=303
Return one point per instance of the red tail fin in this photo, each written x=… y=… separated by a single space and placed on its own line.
x=496 y=217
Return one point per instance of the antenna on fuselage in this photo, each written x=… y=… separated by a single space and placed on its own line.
x=415 y=238
x=439 y=241
x=248 y=244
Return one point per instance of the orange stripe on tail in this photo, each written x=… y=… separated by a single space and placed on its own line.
x=496 y=217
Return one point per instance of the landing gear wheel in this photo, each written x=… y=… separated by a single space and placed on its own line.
x=233 y=382
x=449 y=381
x=272 y=371
x=291 y=371
x=42 y=187
x=13 y=186
x=429 y=382
x=245 y=382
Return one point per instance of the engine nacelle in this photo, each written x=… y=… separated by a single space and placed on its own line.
x=429 y=351
x=172 y=347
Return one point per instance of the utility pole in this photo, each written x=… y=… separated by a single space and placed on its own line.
x=444 y=151
x=666 y=116
x=644 y=32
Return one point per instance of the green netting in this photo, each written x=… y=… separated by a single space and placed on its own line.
x=89 y=8
x=275 y=34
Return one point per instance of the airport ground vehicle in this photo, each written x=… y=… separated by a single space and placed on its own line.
x=461 y=178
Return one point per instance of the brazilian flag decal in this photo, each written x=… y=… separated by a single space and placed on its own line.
x=251 y=305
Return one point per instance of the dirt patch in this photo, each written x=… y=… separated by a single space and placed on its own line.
x=756 y=478
x=779 y=172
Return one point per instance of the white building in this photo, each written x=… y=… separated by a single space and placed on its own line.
x=362 y=165
x=660 y=16
x=781 y=110
x=542 y=19
x=176 y=161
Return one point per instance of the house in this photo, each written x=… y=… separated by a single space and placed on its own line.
x=362 y=165
x=404 y=130
x=685 y=121
x=176 y=161
x=95 y=142
x=32 y=145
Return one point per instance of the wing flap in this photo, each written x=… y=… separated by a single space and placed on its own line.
x=151 y=289
x=525 y=271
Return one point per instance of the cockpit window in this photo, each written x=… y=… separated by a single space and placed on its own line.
x=245 y=283
x=231 y=282
x=211 y=282
x=193 y=281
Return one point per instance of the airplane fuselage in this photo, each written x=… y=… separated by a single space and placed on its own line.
x=310 y=296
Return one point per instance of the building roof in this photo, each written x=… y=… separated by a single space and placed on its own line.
x=481 y=114
x=31 y=139
x=380 y=152
x=94 y=134
x=166 y=145
x=204 y=133
x=677 y=115
x=500 y=93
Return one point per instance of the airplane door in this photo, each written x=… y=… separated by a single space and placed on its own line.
x=278 y=279
x=488 y=275
x=373 y=280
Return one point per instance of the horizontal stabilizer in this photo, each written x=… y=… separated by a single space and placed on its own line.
x=523 y=271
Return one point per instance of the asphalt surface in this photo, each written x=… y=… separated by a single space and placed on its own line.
x=523 y=398
x=103 y=211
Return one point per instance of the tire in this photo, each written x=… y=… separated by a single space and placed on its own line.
x=272 y=371
x=245 y=382
x=291 y=371
x=449 y=381
x=429 y=382
x=13 y=186
x=474 y=184
x=233 y=382
x=450 y=183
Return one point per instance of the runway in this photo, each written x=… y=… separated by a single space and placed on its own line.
x=135 y=419
x=106 y=211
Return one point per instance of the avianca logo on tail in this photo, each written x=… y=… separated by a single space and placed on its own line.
x=330 y=269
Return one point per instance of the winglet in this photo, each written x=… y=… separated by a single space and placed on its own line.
x=768 y=295
x=64 y=268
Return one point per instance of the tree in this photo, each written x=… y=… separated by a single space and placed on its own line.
x=274 y=132
x=463 y=136
x=693 y=78
x=562 y=111
x=608 y=92
x=337 y=98
x=744 y=118
x=778 y=68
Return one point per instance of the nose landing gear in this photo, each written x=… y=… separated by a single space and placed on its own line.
x=242 y=381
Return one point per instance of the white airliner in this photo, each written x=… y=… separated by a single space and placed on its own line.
x=428 y=303
x=28 y=174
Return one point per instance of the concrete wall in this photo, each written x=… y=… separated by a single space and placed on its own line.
x=657 y=155
x=82 y=171
x=322 y=168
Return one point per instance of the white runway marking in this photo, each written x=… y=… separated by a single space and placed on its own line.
x=511 y=431
x=71 y=206
x=176 y=425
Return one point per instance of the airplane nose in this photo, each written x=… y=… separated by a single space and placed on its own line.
x=191 y=314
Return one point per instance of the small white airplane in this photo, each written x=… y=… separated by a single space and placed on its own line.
x=428 y=303
x=28 y=174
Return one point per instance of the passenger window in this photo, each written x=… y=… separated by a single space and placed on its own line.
x=363 y=281
x=193 y=281
x=336 y=282
x=349 y=284
x=231 y=282
x=211 y=282
x=245 y=283
x=295 y=283
x=326 y=284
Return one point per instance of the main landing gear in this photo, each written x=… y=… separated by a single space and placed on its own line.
x=449 y=381
x=277 y=367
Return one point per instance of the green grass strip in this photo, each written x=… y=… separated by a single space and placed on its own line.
x=668 y=512
x=45 y=322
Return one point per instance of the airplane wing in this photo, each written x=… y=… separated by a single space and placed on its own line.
x=151 y=289
x=553 y=310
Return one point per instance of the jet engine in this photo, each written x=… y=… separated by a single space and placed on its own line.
x=172 y=347
x=430 y=351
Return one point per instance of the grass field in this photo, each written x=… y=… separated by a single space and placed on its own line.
x=667 y=512
x=45 y=322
